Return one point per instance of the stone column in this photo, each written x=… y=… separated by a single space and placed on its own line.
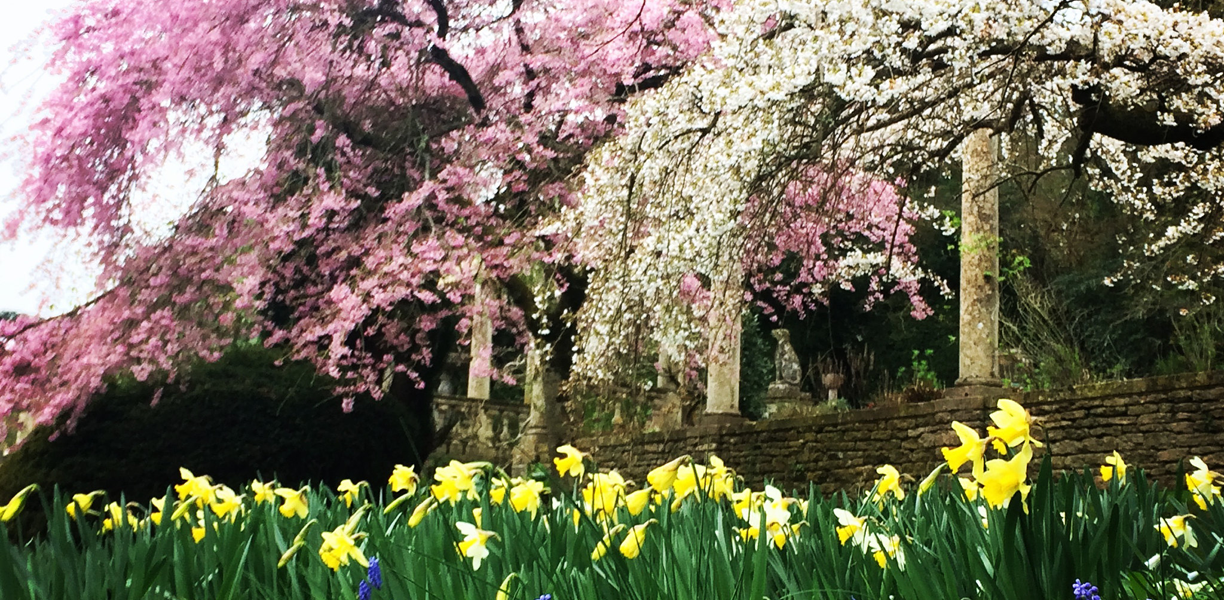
x=541 y=433
x=480 y=367
x=723 y=362
x=979 y=282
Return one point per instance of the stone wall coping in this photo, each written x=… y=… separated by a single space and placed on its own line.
x=479 y=403
x=1127 y=387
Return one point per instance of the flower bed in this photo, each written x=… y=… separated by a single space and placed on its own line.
x=977 y=527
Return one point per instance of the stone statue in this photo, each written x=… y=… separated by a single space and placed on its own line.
x=786 y=362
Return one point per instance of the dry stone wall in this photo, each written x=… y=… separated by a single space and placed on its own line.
x=1152 y=422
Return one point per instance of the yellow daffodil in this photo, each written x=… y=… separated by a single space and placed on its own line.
x=1173 y=528
x=454 y=481
x=927 y=481
x=882 y=547
x=10 y=510
x=349 y=491
x=339 y=546
x=295 y=502
x=497 y=491
x=601 y=548
x=631 y=546
x=503 y=590
x=688 y=481
x=422 y=509
x=571 y=464
x=1012 y=424
x=474 y=544
x=404 y=479
x=637 y=501
x=1113 y=465
x=160 y=505
x=83 y=502
x=604 y=491
x=225 y=502
x=969 y=487
x=1003 y=478
x=264 y=492
x=662 y=477
x=972 y=448
x=197 y=533
x=890 y=482
x=718 y=481
x=850 y=526
x=116 y=516
x=526 y=496
x=199 y=489
x=1201 y=483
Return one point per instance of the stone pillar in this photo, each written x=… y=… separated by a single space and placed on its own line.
x=979 y=282
x=541 y=433
x=723 y=363
x=480 y=367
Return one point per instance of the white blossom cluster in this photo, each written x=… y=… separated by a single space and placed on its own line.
x=885 y=88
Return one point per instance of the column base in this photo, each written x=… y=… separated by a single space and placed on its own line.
x=991 y=389
x=706 y=418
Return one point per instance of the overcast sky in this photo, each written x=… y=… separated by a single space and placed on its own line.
x=41 y=273
x=22 y=79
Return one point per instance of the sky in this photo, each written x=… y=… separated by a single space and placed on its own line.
x=42 y=273
x=21 y=79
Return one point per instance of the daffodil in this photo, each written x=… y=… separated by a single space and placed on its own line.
x=295 y=502
x=890 y=482
x=160 y=505
x=718 y=481
x=264 y=492
x=339 y=546
x=404 y=479
x=83 y=502
x=1113 y=465
x=631 y=546
x=662 y=477
x=930 y=480
x=454 y=481
x=571 y=464
x=497 y=490
x=526 y=496
x=688 y=480
x=603 y=492
x=969 y=487
x=637 y=501
x=850 y=526
x=349 y=491
x=199 y=489
x=605 y=542
x=1173 y=528
x=422 y=509
x=1201 y=482
x=475 y=542
x=1003 y=478
x=225 y=502
x=10 y=510
x=1012 y=424
x=116 y=516
x=882 y=547
x=972 y=448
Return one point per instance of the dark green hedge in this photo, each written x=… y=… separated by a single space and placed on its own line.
x=238 y=418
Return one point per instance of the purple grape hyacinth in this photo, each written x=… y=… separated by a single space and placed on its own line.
x=375 y=574
x=1085 y=591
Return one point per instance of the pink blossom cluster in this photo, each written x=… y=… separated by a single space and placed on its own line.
x=413 y=147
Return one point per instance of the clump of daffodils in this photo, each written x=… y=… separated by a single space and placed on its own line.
x=999 y=479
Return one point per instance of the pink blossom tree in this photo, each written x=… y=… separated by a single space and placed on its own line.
x=412 y=148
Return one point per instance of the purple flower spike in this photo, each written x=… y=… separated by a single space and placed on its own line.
x=375 y=574
x=363 y=590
